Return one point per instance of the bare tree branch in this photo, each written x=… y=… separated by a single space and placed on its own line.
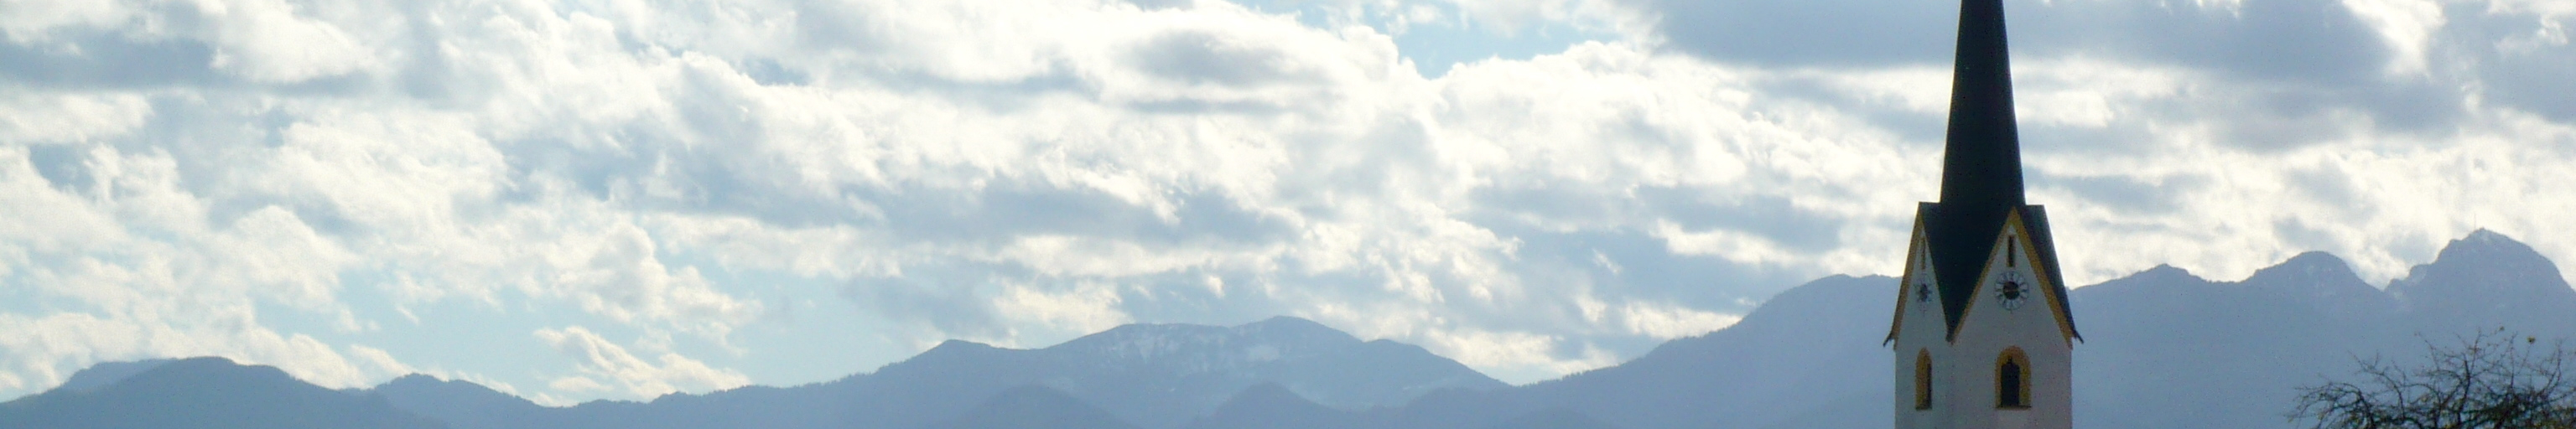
x=2491 y=380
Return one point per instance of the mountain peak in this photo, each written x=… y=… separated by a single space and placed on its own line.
x=2316 y=260
x=158 y=371
x=2487 y=236
x=414 y=379
x=210 y=392
x=417 y=382
x=1285 y=323
x=952 y=347
x=459 y=403
x=1268 y=339
x=2485 y=259
x=2484 y=244
x=211 y=365
x=107 y=373
x=2488 y=277
x=2326 y=282
x=2308 y=269
x=2163 y=273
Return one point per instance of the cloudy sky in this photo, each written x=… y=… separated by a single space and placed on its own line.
x=624 y=198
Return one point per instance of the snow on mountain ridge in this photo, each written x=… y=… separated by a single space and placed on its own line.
x=1195 y=349
x=2311 y=268
x=2326 y=282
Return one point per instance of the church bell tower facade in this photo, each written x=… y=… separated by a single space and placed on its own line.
x=1982 y=333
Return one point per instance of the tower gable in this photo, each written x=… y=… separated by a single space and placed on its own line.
x=2023 y=246
x=1914 y=288
x=2029 y=227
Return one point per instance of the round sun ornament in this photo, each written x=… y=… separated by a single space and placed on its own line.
x=2011 y=289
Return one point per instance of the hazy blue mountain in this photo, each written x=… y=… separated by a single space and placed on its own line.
x=1034 y=407
x=1806 y=348
x=207 y=393
x=1270 y=406
x=1154 y=376
x=2326 y=283
x=1552 y=418
x=2167 y=349
x=2484 y=281
x=1811 y=349
x=460 y=404
x=1164 y=375
x=2163 y=348
x=107 y=373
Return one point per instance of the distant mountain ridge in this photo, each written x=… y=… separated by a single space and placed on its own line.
x=209 y=393
x=2164 y=348
x=1148 y=375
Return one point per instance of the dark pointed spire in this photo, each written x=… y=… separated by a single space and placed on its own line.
x=1981 y=168
x=1981 y=165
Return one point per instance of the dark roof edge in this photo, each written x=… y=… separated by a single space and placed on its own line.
x=2035 y=218
x=1916 y=244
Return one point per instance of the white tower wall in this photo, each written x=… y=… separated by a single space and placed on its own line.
x=1964 y=378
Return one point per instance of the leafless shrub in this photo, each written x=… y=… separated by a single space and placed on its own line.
x=2491 y=380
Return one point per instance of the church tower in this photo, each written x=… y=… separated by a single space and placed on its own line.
x=1982 y=334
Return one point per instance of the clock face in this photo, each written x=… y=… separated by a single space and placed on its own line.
x=2011 y=290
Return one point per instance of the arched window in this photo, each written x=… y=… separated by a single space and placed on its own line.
x=1922 y=379
x=2012 y=379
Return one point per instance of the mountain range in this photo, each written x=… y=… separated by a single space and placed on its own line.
x=2162 y=348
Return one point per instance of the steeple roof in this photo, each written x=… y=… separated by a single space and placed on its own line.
x=1981 y=167
x=1981 y=164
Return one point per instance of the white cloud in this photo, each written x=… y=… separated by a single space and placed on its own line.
x=382 y=362
x=28 y=19
x=1665 y=321
x=1022 y=172
x=259 y=41
x=273 y=41
x=272 y=248
x=616 y=275
x=1089 y=308
x=57 y=118
x=133 y=295
x=602 y=362
x=2407 y=25
x=1516 y=356
x=40 y=218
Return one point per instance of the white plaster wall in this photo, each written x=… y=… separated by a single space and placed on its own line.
x=1987 y=329
x=1921 y=329
x=1963 y=380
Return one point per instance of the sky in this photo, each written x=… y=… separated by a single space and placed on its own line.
x=619 y=199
